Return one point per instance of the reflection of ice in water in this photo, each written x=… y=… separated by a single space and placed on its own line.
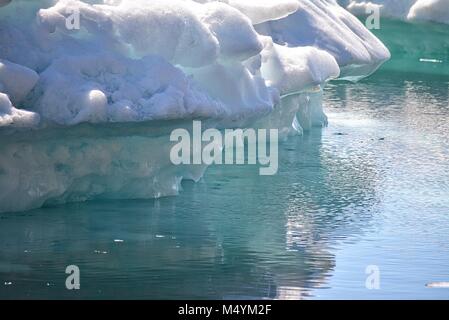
x=238 y=235
x=240 y=240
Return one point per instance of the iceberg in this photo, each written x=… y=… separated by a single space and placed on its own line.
x=90 y=90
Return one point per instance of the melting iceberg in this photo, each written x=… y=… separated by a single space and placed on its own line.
x=90 y=90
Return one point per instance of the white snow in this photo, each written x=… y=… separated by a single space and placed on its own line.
x=16 y=80
x=169 y=28
x=235 y=34
x=327 y=26
x=213 y=61
x=15 y=83
x=291 y=69
x=104 y=87
x=12 y=117
x=265 y=10
x=430 y=10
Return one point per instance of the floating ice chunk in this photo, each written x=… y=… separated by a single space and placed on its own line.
x=16 y=80
x=430 y=10
x=144 y=60
x=438 y=285
x=12 y=117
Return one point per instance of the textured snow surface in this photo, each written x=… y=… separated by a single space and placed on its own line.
x=265 y=10
x=13 y=117
x=410 y=10
x=290 y=69
x=16 y=80
x=104 y=87
x=85 y=112
x=329 y=27
x=140 y=60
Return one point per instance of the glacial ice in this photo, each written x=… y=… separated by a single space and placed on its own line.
x=108 y=88
x=86 y=114
x=15 y=83
x=291 y=69
x=264 y=10
x=13 y=117
x=16 y=80
x=327 y=26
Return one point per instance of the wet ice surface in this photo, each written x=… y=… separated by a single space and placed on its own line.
x=371 y=189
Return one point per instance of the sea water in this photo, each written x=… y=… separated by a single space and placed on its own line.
x=372 y=189
x=359 y=209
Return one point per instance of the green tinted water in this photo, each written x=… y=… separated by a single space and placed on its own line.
x=372 y=189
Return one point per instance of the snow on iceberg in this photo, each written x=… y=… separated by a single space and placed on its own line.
x=430 y=10
x=16 y=80
x=15 y=83
x=86 y=112
x=327 y=26
x=108 y=88
x=13 y=117
x=264 y=10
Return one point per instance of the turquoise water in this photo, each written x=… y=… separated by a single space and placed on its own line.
x=370 y=189
x=421 y=48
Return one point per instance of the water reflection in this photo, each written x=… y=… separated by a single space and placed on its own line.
x=233 y=235
x=381 y=168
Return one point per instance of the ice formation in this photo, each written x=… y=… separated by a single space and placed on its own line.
x=86 y=112
x=327 y=26
x=409 y=10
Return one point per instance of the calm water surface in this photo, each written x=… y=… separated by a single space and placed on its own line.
x=370 y=189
